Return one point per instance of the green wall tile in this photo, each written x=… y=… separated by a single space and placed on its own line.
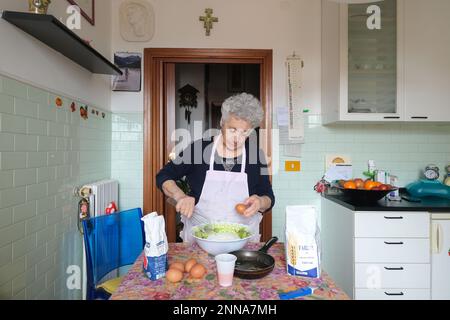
x=6 y=141
x=15 y=88
x=36 y=127
x=46 y=143
x=6 y=104
x=38 y=95
x=11 y=123
x=25 y=108
x=36 y=191
x=36 y=159
x=24 y=177
x=11 y=234
x=25 y=211
x=6 y=179
x=25 y=142
x=13 y=160
x=5 y=255
x=47 y=113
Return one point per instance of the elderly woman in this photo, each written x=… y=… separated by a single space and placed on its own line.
x=222 y=173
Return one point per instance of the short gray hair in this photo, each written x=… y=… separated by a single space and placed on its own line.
x=245 y=107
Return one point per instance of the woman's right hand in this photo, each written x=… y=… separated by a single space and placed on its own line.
x=185 y=206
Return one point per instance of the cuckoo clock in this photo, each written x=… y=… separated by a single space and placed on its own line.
x=188 y=100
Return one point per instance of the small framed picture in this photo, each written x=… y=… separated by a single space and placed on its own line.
x=130 y=65
x=87 y=8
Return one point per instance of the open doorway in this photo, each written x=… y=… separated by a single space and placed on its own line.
x=211 y=84
x=161 y=109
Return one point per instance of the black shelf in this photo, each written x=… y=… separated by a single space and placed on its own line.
x=56 y=35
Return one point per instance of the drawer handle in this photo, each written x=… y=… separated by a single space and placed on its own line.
x=394 y=269
x=392 y=117
x=393 y=218
x=401 y=242
x=419 y=117
x=394 y=294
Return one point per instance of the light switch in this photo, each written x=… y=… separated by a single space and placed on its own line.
x=293 y=166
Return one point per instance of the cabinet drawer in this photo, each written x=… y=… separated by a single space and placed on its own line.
x=392 y=250
x=392 y=224
x=392 y=294
x=393 y=276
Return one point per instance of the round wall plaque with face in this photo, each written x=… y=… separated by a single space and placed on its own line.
x=137 y=21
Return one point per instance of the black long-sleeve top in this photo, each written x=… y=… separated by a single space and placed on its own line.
x=195 y=171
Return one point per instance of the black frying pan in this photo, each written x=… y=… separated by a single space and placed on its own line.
x=254 y=264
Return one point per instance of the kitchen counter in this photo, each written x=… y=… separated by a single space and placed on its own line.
x=136 y=286
x=434 y=205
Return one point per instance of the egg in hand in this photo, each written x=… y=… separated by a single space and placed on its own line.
x=240 y=208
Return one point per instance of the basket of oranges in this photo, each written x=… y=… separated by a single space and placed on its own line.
x=363 y=191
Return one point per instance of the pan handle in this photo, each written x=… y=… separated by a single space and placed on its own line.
x=268 y=244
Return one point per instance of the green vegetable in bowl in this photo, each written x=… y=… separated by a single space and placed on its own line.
x=205 y=231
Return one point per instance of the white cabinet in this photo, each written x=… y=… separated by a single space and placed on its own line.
x=399 y=73
x=362 y=67
x=427 y=62
x=377 y=255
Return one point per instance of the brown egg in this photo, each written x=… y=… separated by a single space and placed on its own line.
x=198 y=271
x=189 y=264
x=178 y=266
x=174 y=275
x=240 y=208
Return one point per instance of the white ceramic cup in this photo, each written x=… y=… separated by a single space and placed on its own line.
x=225 y=268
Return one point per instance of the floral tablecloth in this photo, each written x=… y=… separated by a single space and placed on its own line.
x=136 y=286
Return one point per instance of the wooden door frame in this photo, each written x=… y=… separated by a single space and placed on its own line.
x=155 y=129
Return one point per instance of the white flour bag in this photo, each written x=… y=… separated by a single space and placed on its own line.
x=302 y=241
x=156 y=246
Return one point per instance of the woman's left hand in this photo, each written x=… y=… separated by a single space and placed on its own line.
x=254 y=204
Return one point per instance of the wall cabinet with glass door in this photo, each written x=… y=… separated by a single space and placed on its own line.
x=362 y=55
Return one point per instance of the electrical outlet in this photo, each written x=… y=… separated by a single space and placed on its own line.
x=292 y=166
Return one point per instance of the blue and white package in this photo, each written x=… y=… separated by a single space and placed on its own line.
x=302 y=241
x=155 y=251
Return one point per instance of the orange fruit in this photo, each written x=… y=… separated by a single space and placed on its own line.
x=350 y=185
x=369 y=184
x=377 y=184
x=359 y=183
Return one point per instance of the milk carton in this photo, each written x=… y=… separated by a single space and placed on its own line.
x=156 y=246
x=302 y=241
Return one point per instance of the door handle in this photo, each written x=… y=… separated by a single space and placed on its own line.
x=393 y=218
x=436 y=238
x=394 y=269
x=398 y=243
x=394 y=294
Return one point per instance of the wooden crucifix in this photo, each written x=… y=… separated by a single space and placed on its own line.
x=208 y=20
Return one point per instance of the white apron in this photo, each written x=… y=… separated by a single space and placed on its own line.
x=221 y=192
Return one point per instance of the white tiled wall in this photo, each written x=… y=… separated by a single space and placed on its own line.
x=401 y=149
x=127 y=155
x=44 y=153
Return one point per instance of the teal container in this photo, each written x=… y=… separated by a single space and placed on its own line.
x=428 y=188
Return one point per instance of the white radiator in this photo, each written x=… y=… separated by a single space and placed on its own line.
x=102 y=194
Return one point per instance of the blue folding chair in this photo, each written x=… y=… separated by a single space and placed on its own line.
x=111 y=241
